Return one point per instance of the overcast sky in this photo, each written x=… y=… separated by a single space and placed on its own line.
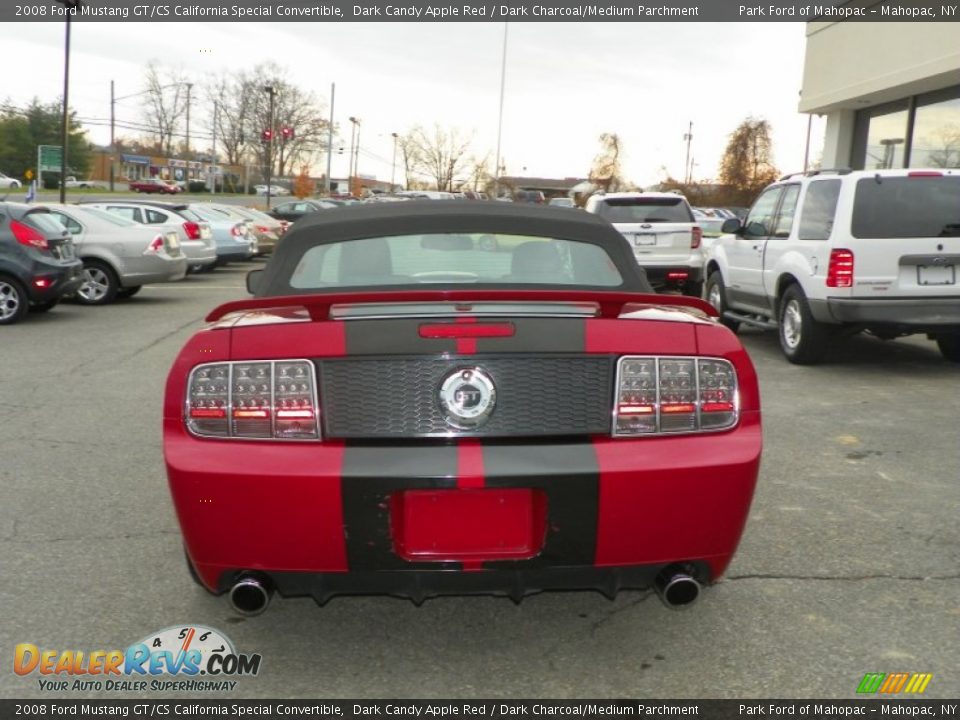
x=566 y=83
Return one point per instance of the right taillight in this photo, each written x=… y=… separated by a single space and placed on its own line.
x=840 y=269
x=674 y=395
x=192 y=230
x=26 y=235
x=274 y=399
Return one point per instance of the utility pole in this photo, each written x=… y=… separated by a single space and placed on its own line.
x=333 y=89
x=393 y=173
x=356 y=162
x=687 y=168
x=213 y=160
x=113 y=142
x=272 y=91
x=189 y=89
x=806 y=149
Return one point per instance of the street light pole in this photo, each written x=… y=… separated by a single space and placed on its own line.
x=71 y=7
x=393 y=173
x=503 y=81
x=687 y=167
x=333 y=88
x=353 y=139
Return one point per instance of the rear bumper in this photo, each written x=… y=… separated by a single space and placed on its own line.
x=315 y=518
x=154 y=270
x=421 y=585
x=660 y=274
x=199 y=252
x=64 y=279
x=921 y=312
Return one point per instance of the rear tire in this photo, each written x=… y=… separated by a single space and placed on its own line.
x=802 y=339
x=949 y=347
x=100 y=284
x=13 y=301
x=717 y=297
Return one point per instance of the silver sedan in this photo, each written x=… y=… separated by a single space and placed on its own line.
x=119 y=256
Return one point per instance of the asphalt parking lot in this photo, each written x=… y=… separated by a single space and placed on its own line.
x=850 y=562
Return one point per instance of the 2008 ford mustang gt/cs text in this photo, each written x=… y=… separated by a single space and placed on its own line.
x=429 y=398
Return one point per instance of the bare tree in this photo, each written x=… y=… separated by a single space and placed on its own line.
x=947 y=155
x=164 y=104
x=606 y=172
x=410 y=160
x=227 y=94
x=480 y=172
x=440 y=154
x=747 y=165
x=294 y=108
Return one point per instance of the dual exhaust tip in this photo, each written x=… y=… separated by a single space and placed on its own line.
x=675 y=585
x=250 y=596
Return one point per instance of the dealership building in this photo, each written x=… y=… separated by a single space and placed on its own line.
x=890 y=92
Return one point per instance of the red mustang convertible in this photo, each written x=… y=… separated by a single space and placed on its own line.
x=430 y=398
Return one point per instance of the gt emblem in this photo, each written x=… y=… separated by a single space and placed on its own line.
x=467 y=398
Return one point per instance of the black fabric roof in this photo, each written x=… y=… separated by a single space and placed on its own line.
x=421 y=217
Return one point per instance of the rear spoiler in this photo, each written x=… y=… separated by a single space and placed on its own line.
x=609 y=304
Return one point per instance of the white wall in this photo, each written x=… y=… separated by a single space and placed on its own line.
x=858 y=64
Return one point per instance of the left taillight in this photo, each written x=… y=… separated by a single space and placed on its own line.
x=668 y=395
x=268 y=400
x=155 y=246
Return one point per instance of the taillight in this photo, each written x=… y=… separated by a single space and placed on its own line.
x=192 y=230
x=263 y=229
x=840 y=269
x=696 y=237
x=238 y=230
x=26 y=235
x=674 y=395
x=155 y=246
x=274 y=399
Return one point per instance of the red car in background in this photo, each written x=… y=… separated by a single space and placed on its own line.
x=155 y=185
x=402 y=410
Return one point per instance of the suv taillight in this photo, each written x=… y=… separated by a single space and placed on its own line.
x=840 y=269
x=696 y=237
x=674 y=395
x=274 y=399
x=192 y=230
x=26 y=235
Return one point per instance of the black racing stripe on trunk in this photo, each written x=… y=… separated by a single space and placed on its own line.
x=393 y=337
x=371 y=473
x=570 y=476
x=538 y=335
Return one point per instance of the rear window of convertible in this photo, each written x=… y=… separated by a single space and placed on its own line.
x=453 y=258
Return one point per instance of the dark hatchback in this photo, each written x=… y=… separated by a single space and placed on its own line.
x=38 y=263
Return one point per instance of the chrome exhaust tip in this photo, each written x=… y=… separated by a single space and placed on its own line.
x=249 y=596
x=677 y=588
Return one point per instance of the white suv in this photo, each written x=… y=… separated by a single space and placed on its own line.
x=875 y=250
x=662 y=232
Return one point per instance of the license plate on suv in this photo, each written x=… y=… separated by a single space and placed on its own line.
x=645 y=239
x=936 y=274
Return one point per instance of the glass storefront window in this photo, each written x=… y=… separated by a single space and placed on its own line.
x=886 y=138
x=936 y=135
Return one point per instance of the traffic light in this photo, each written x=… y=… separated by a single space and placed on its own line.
x=287 y=133
x=266 y=136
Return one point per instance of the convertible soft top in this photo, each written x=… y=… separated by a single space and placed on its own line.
x=423 y=217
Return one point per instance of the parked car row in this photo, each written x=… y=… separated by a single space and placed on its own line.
x=97 y=252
